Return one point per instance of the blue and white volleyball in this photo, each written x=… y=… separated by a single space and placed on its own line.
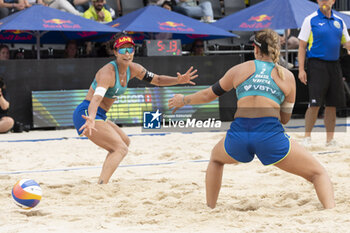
x=26 y=193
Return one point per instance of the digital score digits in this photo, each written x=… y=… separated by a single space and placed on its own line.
x=163 y=48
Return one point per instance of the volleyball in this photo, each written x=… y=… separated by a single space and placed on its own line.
x=26 y=193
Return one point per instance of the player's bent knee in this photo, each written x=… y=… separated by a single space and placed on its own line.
x=316 y=173
x=120 y=147
x=123 y=150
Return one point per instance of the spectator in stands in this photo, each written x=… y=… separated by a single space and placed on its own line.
x=292 y=43
x=63 y=5
x=80 y=5
x=191 y=8
x=167 y=5
x=71 y=50
x=98 y=12
x=197 y=48
x=83 y=5
x=8 y=7
x=19 y=54
x=4 y=52
x=6 y=122
x=98 y=49
x=162 y=3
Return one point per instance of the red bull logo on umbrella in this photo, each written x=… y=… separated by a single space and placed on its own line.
x=258 y=22
x=59 y=23
x=170 y=26
x=16 y=35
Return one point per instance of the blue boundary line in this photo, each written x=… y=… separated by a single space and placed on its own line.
x=98 y=167
x=129 y=165
x=84 y=138
x=150 y=134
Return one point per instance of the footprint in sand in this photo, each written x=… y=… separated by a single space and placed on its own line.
x=34 y=213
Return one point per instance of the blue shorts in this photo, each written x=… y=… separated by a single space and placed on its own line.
x=82 y=109
x=264 y=137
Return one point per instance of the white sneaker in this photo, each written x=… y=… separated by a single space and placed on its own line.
x=332 y=143
x=306 y=142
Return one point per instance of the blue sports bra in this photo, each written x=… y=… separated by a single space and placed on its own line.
x=261 y=83
x=118 y=89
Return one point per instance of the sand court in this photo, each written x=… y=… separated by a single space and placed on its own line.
x=160 y=187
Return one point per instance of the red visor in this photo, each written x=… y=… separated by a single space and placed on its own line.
x=123 y=40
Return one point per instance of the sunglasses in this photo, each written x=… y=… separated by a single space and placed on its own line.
x=124 y=50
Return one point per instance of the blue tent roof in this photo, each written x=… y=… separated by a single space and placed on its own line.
x=274 y=14
x=152 y=20
x=52 y=26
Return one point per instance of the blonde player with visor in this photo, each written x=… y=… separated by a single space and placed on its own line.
x=266 y=95
x=111 y=81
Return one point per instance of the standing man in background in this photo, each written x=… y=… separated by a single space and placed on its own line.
x=321 y=36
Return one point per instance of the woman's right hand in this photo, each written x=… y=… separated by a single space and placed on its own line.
x=303 y=76
x=88 y=126
x=176 y=102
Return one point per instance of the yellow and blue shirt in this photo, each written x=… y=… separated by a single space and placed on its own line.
x=92 y=14
x=323 y=35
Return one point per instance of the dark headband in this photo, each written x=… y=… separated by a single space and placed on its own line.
x=263 y=46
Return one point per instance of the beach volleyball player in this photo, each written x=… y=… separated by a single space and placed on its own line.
x=266 y=95
x=110 y=82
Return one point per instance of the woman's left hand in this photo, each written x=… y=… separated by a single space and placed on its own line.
x=187 y=77
x=176 y=102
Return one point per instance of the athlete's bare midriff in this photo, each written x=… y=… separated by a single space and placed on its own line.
x=257 y=106
x=105 y=104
